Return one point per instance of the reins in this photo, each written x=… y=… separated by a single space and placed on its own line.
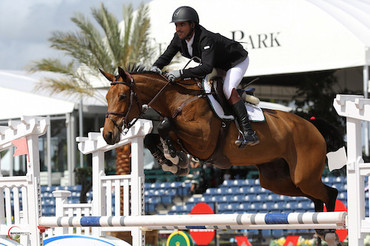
x=143 y=108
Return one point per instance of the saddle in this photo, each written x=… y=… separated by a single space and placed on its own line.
x=212 y=87
x=216 y=89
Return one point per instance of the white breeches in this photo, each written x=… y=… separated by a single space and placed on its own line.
x=234 y=76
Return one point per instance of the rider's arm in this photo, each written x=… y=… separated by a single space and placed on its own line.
x=207 y=46
x=170 y=52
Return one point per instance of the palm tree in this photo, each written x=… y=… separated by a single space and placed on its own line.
x=90 y=48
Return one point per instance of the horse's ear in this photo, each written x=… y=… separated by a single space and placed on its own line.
x=109 y=76
x=122 y=73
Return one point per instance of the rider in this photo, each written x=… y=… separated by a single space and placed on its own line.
x=215 y=51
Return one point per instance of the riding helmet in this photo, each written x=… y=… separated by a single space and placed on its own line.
x=185 y=13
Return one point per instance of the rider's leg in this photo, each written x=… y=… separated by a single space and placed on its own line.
x=249 y=136
x=233 y=78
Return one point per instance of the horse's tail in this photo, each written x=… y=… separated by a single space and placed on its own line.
x=333 y=136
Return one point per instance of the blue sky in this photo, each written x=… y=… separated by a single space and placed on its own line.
x=26 y=25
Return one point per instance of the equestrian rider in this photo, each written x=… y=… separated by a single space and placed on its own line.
x=215 y=51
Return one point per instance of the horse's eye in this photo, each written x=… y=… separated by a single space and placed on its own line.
x=122 y=97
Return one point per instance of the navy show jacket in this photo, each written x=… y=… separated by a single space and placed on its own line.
x=215 y=51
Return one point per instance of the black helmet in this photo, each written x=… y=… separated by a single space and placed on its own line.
x=185 y=13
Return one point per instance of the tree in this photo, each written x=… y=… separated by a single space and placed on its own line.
x=91 y=48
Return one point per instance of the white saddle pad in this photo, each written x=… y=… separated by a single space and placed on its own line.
x=255 y=113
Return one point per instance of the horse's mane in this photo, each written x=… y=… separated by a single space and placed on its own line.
x=138 y=69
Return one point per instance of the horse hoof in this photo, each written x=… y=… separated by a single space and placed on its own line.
x=329 y=236
x=183 y=172
x=175 y=161
x=173 y=169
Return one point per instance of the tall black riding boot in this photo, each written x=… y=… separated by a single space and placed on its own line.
x=249 y=136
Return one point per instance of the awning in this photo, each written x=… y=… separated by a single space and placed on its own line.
x=281 y=36
x=17 y=103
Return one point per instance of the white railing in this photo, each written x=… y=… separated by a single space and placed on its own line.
x=20 y=197
x=107 y=190
x=20 y=204
x=356 y=109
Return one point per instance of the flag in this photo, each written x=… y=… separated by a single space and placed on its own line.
x=337 y=159
x=291 y=241
x=21 y=147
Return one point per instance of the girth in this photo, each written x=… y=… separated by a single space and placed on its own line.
x=218 y=158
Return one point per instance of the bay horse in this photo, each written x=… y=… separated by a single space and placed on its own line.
x=290 y=157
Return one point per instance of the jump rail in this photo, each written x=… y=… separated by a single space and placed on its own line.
x=328 y=220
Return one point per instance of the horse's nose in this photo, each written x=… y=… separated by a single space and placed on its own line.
x=108 y=137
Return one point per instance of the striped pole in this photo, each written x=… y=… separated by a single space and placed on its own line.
x=327 y=220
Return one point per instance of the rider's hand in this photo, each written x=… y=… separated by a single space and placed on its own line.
x=173 y=75
x=156 y=69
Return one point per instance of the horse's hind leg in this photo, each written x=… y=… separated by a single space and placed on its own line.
x=330 y=204
x=307 y=176
x=275 y=176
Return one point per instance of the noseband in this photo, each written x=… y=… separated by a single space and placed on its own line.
x=133 y=96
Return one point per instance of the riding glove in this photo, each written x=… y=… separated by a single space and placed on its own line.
x=173 y=75
x=156 y=69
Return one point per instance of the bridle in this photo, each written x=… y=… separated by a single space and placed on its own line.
x=133 y=96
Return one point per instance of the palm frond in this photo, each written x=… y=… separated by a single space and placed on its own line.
x=110 y=26
x=88 y=46
x=94 y=42
x=52 y=65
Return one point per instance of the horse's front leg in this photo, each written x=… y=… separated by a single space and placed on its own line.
x=178 y=158
x=151 y=142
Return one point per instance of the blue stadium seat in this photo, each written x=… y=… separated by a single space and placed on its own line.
x=184 y=189
x=277 y=233
x=211 y=191
x=252 y=233
x=236 y=198
x=247 y=182
x=223 y=199
x=259 y=197
x=76 y=188
x=195 y=199
x=210 y=199
x=229 y=183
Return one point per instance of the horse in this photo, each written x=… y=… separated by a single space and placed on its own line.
x=290 y=157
